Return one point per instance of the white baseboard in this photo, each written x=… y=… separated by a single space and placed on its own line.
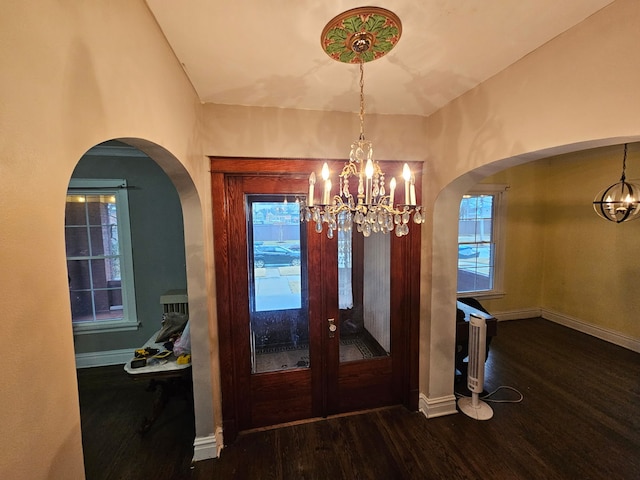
x=102 y=359
x=437 y=407
x=518 y=314
x=605 y=334
x=208 y=447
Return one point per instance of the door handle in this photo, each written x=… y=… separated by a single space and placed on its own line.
x=332 y=327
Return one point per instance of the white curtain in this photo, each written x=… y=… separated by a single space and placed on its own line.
x=345 y=292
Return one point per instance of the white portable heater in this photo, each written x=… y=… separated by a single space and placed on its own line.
x=472 y=406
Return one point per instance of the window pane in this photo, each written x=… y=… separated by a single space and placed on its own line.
x=76 y=241
x=107 y=295
x=97 y=244
x=279 y=320
x=476 y=244
x=75 y=211
x=365 y=327
x=112 y=268
x=110 y=239
x=275 y=253
x=94 y=209
x=79 y=275
x=99 y=270
x=114 y=293
x=81 y=306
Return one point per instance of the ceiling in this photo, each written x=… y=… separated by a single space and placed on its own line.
x=268 y=53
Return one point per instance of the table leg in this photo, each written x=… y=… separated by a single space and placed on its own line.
x=167 y=389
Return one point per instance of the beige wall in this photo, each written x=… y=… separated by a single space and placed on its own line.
x=286 y=133
x=523 y=237
x=591 y=266
x=75 y=74
x=78 y=73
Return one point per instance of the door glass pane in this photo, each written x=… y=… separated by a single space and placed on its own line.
x=365 y=326
x=276 y=249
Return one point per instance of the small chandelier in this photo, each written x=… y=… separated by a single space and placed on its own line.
x=357 y=36
x=621 y=201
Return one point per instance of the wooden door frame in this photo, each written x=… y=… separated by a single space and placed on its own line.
x=405 y=280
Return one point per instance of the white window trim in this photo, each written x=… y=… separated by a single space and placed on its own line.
x=117 y=187
x=499 y=191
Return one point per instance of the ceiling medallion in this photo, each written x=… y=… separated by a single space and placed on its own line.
x=361 y=34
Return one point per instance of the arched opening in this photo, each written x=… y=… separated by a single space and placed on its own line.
x=562 y=217
x=168 y=254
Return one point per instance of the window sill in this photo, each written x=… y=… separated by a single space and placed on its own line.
x=484 y=295
x=104 y=327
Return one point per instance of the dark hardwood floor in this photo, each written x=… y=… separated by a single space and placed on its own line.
x=578 y=420
x=112 y=410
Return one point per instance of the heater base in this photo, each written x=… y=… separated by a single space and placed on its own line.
x=477 y=410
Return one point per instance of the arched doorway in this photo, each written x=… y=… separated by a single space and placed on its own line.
x=438 y=361
x=181 y=220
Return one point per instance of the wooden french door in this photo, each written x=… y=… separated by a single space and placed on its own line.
x=291 y=346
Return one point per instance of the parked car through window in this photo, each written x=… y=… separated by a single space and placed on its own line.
x=274 y=255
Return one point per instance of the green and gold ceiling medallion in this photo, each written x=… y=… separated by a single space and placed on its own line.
x=361 y=34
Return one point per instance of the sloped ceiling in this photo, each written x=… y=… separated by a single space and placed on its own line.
x=268 y=53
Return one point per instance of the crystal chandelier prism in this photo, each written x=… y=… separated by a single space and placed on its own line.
x=358 y=36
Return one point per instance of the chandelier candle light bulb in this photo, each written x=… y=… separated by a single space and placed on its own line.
x=312 y=183
x=327 y=192
x=392 y=192
x=327 y=184
x=368 y=171
x=412 y=190
x=406 y=174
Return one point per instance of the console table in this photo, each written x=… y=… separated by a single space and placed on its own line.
x=165 y=375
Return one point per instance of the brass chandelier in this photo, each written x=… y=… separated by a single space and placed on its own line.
x=357 y=36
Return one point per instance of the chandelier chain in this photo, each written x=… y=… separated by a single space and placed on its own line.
x=361 y=99
x=624 y=164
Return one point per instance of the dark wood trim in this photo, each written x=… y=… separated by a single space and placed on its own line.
x=239 y=293
x=331 y=346
x=411 y=387
x=316 y=312
x=297 y=166
x=221 y=252
x=329 y=396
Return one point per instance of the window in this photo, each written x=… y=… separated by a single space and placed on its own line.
x=345 y=267
x=99 y=260
x=276 y=236
x=480 y=245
